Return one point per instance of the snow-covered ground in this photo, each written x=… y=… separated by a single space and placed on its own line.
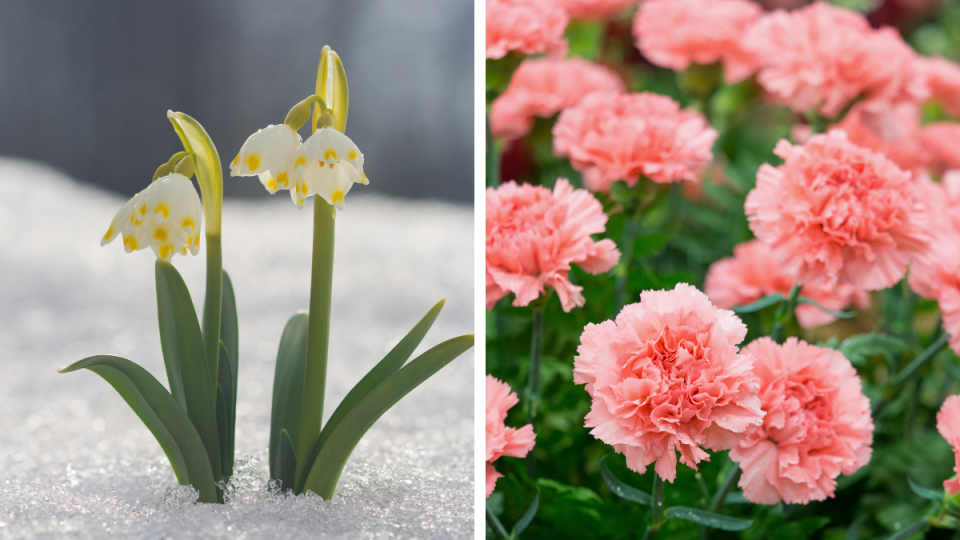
x=74 y=459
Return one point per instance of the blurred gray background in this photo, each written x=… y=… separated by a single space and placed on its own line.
x=85 y=84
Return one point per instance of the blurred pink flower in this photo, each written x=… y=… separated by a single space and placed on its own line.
x=534 y=235
x=527 y=26
x=823 y=57
x=948 y=424
x=834 y=212
x=893 y=131
x=942 y=140
x=942 y=77
x=666 y=376
x=610 y=137
x=753 y=273
x=503 y=440
x=677 y=33
x=935 y=274
x=545 y=86
x=595 y=9
x=817 y=424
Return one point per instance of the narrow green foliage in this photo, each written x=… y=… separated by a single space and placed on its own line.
x=708 y=519
x=229 y=338
x=285 y=463
x=620 y=488
x=162 y=415
x=288 y=387
x=226 y=421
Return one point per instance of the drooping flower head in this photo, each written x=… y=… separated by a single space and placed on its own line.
x=891 y=130
x=527 y=26
x=753 y=273
x=942 y=78
x=823 y=57
x=834 y=212
x=610 y=137
x=545 y=86
x=665 y=377
x=595 y=9
x=677 y=33
x=935 y=274
x=534 y=235
x=948 y=424
x=165 y=217
x=269 y=154
x=503 y=440
x=817 y=424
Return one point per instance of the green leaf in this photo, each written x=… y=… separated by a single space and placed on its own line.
x=648 y=245
x=339 y=442
x=162 y=415
x=708 y=519
x=860 y=347
x=735 y=497
x=496 y=525
x=828 y=311
x=185 y=359
x=288 y=387
x=926 y=493
x=393 y=361
x=853 y=531
x=286 y=461
x=527 y=516
x=621 y=489
x=227 y=423
x=229 y=335
x=223 y=425
x=764 y=302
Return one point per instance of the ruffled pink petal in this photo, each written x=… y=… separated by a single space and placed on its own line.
x=492 y=476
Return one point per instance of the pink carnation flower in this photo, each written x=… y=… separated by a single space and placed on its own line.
x=837 y=213
x=948 y=424
x=595 y=9
x=503 y=440
x=528 y=26
x=823 y=57
x=943 y=81
x=817 y=424
x=543 y=87
x=893 y=131
x=935 y=274
x=667 y=377
x=611 y=137
x=753 y=273
x=534 y=235
x=677 y=33
x=942 y=140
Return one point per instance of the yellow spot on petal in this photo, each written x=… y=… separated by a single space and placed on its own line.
x=143 y=209
x=252 y=161
x=302 y=160
x=282 y=179
x=337 y=196
x=183 y=250
x=132 y=217
x=188 y=222
x=130 y=243
x=166 y=251
x=272 y=184
x=321 y=163
x=236 y=160
x=109 y=233
x=352 y=154
x=196 y=239
x=332 y=164
x=162 y=209
x=329 y=155
x=301 y=202
x=160 y=234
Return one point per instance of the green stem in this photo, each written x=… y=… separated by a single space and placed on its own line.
x=493 y=160
x=649 y=534
x=628 y=242
x=211 y=308
x=657 y=518
x=534 y=390
x=721 y=495
x=783 y=314
x=318 y=329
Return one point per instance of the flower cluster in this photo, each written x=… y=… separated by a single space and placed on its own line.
x=534 y=235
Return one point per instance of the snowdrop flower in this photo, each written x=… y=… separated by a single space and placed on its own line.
x=166 y=217
x=328 y=164
x=269 y=154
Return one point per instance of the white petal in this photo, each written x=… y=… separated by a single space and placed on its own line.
x=121 y=219
x=264 y=150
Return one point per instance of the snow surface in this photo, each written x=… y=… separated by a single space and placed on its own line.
x=74 y=459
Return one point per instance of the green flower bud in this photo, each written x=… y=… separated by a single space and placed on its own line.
x=167 y=167
x=300 y=112
x=332 y=89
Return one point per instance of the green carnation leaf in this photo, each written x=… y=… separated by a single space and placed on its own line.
x=708 y=519
x=621 y=489
x=926 y=493
x=759 y=304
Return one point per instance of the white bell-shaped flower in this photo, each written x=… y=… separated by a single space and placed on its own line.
x=166 y=217
x=328 y=164
x=269 y=154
